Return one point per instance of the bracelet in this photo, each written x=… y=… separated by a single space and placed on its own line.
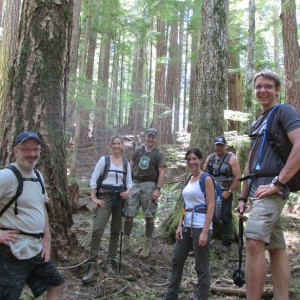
x=242 y=199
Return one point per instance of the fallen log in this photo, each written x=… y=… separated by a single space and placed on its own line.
x=241 y=293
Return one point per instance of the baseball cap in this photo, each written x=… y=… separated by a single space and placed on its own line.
x=151 y=131
x=25 y=135
x=220 y=140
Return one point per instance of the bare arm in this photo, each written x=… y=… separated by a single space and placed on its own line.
x=160 y=183
x=245 y=190
x=205 y=164
x=210 y=202
x=292 y=165
x=46 y=251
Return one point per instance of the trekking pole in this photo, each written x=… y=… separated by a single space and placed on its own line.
x=121 y=240
x=239 y=274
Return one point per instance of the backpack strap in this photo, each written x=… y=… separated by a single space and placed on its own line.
x=20 y=187
x=270 y=115
x=18 y=192
x=202 y=182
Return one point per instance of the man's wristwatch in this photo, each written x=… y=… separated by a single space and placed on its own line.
x=229 y=191
x=158 y=188
x=276 y=181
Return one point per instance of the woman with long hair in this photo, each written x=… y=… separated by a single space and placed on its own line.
x=110 y=185
x=194 y=229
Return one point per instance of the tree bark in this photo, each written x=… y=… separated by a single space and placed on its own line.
x=36 y=101
x=291 y=52
x=196 y=27
x=160 y=74
x=250 y=58
x=208 y=121
x=8 y=45
x=73 y=67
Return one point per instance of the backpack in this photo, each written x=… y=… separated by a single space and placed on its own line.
x=20 y=187
x=225 y=161
x=106 y=169
x=217 y=218
x=282 y=154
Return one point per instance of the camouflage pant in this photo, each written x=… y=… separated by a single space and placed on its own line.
x=141 y=197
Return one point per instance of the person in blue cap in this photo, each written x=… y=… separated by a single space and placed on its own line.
x=225 y=169
x=25 y=240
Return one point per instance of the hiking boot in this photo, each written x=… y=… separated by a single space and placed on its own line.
x=112 y=267
x=146 y=248
x=92 y=269
x=126 y=248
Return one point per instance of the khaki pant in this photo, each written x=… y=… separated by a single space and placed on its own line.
x=100 y=221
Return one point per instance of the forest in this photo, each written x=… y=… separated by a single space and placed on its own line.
x=79 y=71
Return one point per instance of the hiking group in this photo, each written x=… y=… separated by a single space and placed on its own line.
x=120 y=188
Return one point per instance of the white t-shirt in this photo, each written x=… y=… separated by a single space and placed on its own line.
x=193 y=196
x=31 y=214
x=112 y=178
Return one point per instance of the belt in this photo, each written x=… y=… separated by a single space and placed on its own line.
x=35 y=235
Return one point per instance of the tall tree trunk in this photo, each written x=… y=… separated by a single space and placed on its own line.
x=208 y=121
x=235 y=97
x=149 y=81
x=250 y=58
x=73 y=66
x=36 y=101
x=10 y=29
x=277 y=46
x=160 y=74
x=291 y=52
x=178 y=70
x=115 y=81
x=8 y=46
x=81 y=129
x=1 y=12
x=100 y=122
x=185 y=75
x=172 y=83
x=196 y=27
x=137 y=89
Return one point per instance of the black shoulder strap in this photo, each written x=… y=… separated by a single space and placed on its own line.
x=38 y=175
x=269 y=136
x=19 y=189
x=104 y=172
x=125 y=164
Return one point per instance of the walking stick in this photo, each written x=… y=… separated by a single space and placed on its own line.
x=121 y=240
x=239 y=274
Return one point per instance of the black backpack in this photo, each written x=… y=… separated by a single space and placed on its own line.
x=106 y=169
x=20 y=187
x=282 y=154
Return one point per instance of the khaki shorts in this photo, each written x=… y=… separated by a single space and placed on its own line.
x=140 y=196
x=264 y=223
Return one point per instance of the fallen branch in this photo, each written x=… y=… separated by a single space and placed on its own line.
x=231 y=291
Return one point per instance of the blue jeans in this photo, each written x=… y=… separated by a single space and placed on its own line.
x=181 y=250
